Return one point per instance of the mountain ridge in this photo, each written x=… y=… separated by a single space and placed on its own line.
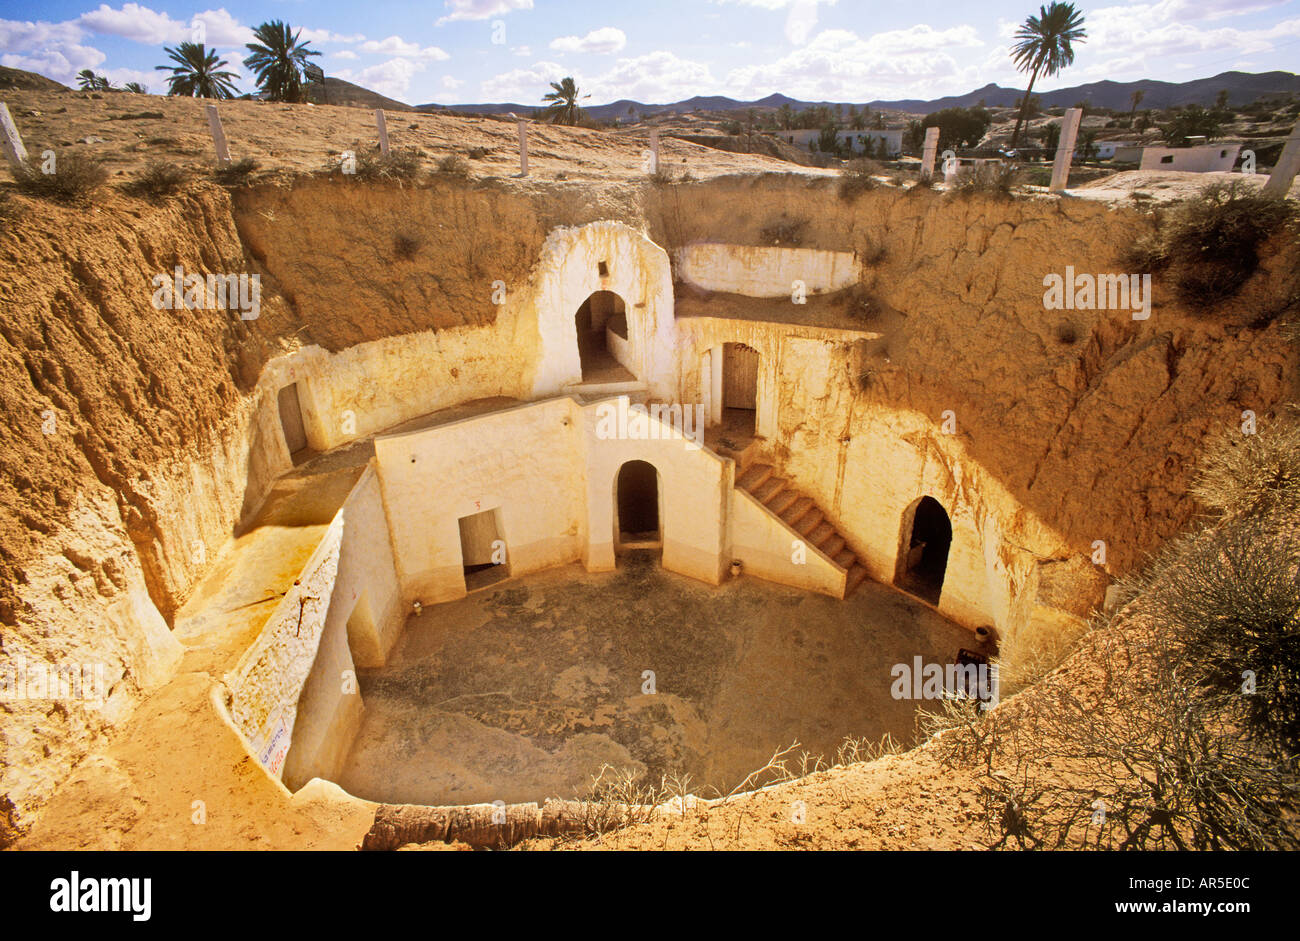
x=1242 y=87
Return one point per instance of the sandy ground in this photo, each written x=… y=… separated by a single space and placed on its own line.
x=522 y=691
x=128 y=130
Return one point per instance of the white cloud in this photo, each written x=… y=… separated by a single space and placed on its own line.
x=135 y=22
x=799 y=21
x=481 y=9
x=222 y=29
x=607 y=39
x=344 y=54
x=61 y=64
x=912 y=63
x=391 y=78
x=451 y=83
x=396 y=46
x=325 y=35
x=524 y=85
x=656 y=77
x=523 y=51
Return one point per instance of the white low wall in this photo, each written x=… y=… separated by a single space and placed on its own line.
x=766 y=547
x=757 y=271
x=294 y=695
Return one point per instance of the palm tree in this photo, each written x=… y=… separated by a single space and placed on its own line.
x=136 y=88
x=89 y=81
x=197 y=72
x=1045 y=46
x=277 y=59
x=1136 y=98
x=563 y=107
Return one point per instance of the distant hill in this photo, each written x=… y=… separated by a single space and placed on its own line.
x=1242 y=87
x=339 y=92
x=29 y=81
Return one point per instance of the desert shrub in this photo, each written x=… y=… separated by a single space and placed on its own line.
x=158 y=180
x=399 y=165
x=1253 y=474
x=787 y=232
x=856 y=177
x=1233 y=598
x=1067 y=334
x=74 y=179
x=406 y=246
x=454 y=165
x=477 y=153
x=662 y=177
x=235 y=172
x=1209 y=244
x=874 y=253
x=986 y=179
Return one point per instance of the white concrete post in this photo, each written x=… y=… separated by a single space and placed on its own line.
x=927 y=155
x=1065 y=149
x=383 y=130
x=13 y=141
x=218 y=136
x=523 y=148
x=654 y=151
x=1288 y=162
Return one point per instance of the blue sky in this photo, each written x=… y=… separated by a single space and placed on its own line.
x=451 y=51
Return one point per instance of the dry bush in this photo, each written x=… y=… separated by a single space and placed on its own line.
x=236 y=172
x=616 y=798
x=987 y=179
x=454 y=165
x=74 y=180
x=1253 y=474
x=1066 y=333
x=784 y=232
x=1234 y=599
x=1024 y=660
x=478 y=153
x=406 y=246
x=853 y=750
x=399 y=165
x=1209 y=244
x=158 y=180
x=858 y=176
x=663 y=177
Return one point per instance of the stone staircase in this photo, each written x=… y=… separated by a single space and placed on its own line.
x=803 y=517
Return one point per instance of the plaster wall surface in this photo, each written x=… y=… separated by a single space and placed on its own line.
x=693 y=487
x=568 y=272
x=759 y=271
x=1206 y=158
x=524 y=462
x=768 y=549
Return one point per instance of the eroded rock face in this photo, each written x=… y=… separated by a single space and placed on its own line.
x=165 y=436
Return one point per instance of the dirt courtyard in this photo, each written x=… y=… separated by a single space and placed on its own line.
x=522 y=691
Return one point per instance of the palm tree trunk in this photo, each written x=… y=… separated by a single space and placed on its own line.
x=1024 y=108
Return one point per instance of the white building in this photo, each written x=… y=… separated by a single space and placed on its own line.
x=1206 y=158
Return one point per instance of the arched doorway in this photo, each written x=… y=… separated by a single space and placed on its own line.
x=637 y=523
x=739 y=389
x=603 y=347
x=923 y=553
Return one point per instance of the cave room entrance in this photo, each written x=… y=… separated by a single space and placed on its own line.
x=482 y=550
x=603 y=347
x=739 y=389
x=923 y=552
x=638 y=521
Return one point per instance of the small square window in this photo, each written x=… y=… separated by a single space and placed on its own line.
x=603 y=269
x=1167 y=158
